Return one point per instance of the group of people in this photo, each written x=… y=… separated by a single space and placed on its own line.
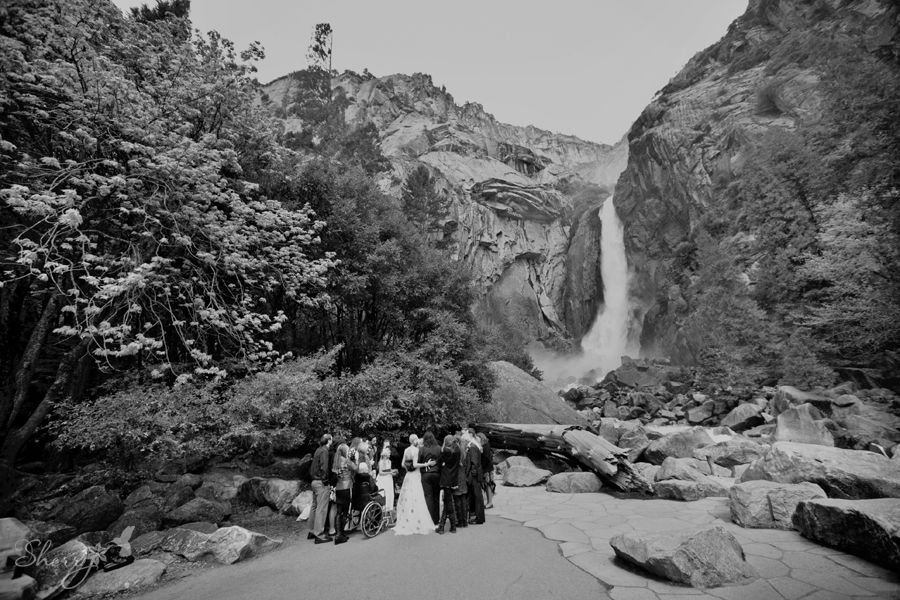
x=453 y=481
x=460 y=471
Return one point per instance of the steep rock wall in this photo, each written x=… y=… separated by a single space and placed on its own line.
x=532 y=245
x=697 y=131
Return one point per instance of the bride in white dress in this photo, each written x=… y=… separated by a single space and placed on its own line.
x=412 y=511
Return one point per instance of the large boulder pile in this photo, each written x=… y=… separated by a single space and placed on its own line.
x=702 y=557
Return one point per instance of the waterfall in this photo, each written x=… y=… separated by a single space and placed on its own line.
x=607 y=341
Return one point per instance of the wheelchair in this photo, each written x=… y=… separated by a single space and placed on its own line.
x=367 y=510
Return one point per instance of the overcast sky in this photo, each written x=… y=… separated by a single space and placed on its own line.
x=584 y=67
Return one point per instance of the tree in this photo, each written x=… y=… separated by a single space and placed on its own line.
x=130 y=234
x=320 y=47
x=422 y=204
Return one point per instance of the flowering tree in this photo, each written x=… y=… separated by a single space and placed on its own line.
x=134 y=228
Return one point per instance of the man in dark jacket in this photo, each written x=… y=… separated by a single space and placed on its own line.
x=449 y=481
x=321 y=489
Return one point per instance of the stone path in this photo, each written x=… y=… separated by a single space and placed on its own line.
x=790 y=566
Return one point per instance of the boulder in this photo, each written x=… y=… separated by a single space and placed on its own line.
x=20 y=588
x=186 y=543
x=221 y=484
x=769 y=505
x=232 y=544
x=867 y=528
x=744 y=416
x=700 y=557
x=140 y=573
x=12 y=532
x=198 y=509
x=701 y=413
x=689 y=469
x=574 y=483
x=709 y=486
x=679 y=445
x=859 y=431
x=635 y=442
x=54 y=532
x=91 y=509
x=520 y=398
x=147 y=517
x=523 y=476
x=192 y=480
x=147 y=543
x=177 y=495
x=841 y=473
x=788 y=396
x=142 y=496
x=733 y=452
x=201 y=526
x=57 y=566
x=646 y=470
x=277 y=494
x=799 y=424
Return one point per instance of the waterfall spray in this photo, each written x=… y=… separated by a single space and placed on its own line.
x=607 y=341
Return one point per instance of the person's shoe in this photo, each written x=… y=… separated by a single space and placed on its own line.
x=323 y=540
x=439 y=530
x=453 y=530
x=340 y=539
x=310 y=536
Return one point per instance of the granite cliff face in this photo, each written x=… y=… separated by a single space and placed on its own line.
x=698 y=130
x=517 y=216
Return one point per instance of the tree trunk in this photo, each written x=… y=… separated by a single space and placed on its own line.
x=11 y=407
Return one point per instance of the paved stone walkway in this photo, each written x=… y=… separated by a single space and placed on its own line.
x=790 y=566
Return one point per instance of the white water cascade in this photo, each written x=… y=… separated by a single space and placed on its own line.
x=607 y=341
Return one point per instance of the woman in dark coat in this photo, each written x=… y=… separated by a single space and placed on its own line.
x=449 y=481
x=431 y=450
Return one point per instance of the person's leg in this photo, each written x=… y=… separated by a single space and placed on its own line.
x=333 y=511
x=321 y=493
x=341 y=517
x=477 y=504
x=432 y=495
x=451 y=506
x=312 y=509
x=462 y=511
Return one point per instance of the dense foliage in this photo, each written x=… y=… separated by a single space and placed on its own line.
x=167 y=248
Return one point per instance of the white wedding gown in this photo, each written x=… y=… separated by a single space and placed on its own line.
x=412 y=511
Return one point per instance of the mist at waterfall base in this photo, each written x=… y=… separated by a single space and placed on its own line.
x=607 y=341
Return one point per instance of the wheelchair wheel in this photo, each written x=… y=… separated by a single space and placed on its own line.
x=372 y=519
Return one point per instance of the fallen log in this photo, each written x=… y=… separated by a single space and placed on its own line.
x=572 y=444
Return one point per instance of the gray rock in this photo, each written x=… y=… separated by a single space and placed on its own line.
x=146 y=517
x=277 y=494
x=702 y=557
x=676 y=489
x=221 y=484
x=147 y=543
x=192 y=480
x=733 y=452
x=841 y=473
x=867 y=528
x=198 y=509
x=799 y=424
x=635 y=442
x=574 y=483
x=177 y=495
x=201 y=526
x=744 y=416
x=91 y=509
x=54 y=532
x=12 y=532
x=520 y=398
x=140 y=573
x=788 y=396
x=20 y=588
x=186 y=543
x=769 y=505
x=679 y=445
x=142 y=496
x=58 y=566
x=523 y=476
x=232 y=544
x=701 y=413
x=646 y=470
x=685 y=469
